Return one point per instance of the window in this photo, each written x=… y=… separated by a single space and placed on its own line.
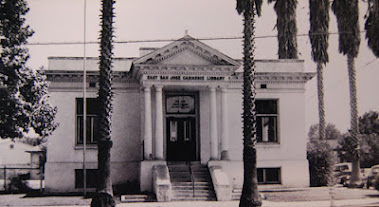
x=268 y=175
x=91 y=178
x=180 y=104
x=92 y=121
x=267 y=119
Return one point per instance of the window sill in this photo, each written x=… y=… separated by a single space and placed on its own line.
x=271 y=184
x=88 y=147
x=268 y=144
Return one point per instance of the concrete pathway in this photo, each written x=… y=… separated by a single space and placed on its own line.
x=369 y=202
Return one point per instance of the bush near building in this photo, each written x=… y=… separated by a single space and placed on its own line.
x=320 y=155
x=320 y=158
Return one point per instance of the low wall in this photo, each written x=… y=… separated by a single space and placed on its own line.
x=162 y=183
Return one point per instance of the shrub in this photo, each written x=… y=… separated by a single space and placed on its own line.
x=320 y=158
x=18 y=184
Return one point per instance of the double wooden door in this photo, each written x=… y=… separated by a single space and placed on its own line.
x=181 y=139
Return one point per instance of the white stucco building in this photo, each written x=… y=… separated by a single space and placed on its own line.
x=179 y=104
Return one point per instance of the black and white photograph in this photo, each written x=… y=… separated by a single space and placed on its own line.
x=173 y=103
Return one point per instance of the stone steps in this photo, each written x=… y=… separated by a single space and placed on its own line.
x=236 y=193
x=133 y=198
x=191 y=182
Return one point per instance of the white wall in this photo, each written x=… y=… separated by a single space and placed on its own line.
x=63 y=157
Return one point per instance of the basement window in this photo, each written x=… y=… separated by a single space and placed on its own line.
x=268 y=175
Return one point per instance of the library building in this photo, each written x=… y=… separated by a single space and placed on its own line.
x=177 y=123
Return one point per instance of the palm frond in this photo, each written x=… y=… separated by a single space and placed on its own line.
x=372 y=26
x=319 y=28
x=287 y=29
x=347 y=13
x=248 y=5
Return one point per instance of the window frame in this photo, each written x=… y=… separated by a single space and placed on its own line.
x=91 y=118
x=264 y=176
x=276 y=140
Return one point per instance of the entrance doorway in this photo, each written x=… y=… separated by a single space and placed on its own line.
x=181 y=139
x=181 y=127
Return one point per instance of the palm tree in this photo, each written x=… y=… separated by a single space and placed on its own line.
x=287 y=30
x=250 y=195
x=347 y=14
x=372 y=26
x=104 y=193
x=318 y=34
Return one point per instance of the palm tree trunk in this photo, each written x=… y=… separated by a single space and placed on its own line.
x=250 y=195
x=321 y=105
x=355 y=178
x=104 y=193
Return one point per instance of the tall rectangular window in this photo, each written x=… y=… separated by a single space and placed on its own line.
x=267 y=120
x=92 y=121
x=268 y=175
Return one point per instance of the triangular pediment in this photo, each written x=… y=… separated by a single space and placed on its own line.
x=187 y=51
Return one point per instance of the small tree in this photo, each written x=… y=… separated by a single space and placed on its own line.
x=368 y=141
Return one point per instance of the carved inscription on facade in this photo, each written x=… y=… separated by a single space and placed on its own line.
x=185 y=78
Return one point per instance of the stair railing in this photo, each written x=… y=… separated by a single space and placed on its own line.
x=192 y=179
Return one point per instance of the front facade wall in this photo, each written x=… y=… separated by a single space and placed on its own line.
x=289 y=154
x=141 y=136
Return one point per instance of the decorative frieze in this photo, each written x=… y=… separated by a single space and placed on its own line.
x=92 y=76
x=287 y=78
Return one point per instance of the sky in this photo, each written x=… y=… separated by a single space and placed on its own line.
x=62 y=21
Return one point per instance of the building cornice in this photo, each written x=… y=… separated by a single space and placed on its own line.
x=189 y=71
x=276 y=77
x=92 y=76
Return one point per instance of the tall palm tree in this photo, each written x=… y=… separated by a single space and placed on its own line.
x=250 y=195
x=347 y=13
x=318 y=34
x=286 y=26
x=372 y=26
x=104 y=193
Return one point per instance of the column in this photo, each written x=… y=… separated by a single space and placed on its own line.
x=158 y=123
x=148 y=140
x=224 y=125
x=213 y=124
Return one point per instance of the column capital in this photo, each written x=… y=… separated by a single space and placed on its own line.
x=158 y=87
x=146 y=88
x=212 y=88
